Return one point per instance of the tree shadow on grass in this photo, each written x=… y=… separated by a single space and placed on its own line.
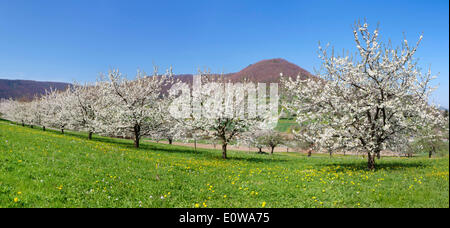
x=166 y=148
x=380 y=165
x=162 y=147
x=129 y=143
x=171 y=148
x=262 y=159
x=146 y=146
x=210 y=153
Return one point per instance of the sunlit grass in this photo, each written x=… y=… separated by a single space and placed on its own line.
x=285 y=125
x=48 y=169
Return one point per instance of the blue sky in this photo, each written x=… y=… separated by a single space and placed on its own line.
x=75 y=40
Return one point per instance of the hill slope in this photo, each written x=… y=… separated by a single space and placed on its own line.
x=266 y=71
x=269 y=70
x=47 y=169
x=27 y=89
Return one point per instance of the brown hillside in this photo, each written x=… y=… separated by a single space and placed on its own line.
x=265 y=71
x=268 y=71
x=27 y=89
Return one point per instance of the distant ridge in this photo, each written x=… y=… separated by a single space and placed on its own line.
x=268 y=71
x=27 y=89
x=265 y=71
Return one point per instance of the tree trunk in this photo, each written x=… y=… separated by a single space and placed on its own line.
x=431 y=151
x=62 y=130
x=371 y=161
x=23 y=124
x=271 y=149
x=309 y=152
x=136 y=142
x=43 y=128
x=31 y=126
x=260 y=150
x=195 y=144
x=224 y=151
x=331 y=153
x=90 y=135
x=137 y=136
x=170 y=141
x=378 y=154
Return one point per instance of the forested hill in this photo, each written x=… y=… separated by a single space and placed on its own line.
x=267 y=71
x=27 y=89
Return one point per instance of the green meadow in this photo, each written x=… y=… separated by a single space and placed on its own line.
x=47 y=169
x=285 y=125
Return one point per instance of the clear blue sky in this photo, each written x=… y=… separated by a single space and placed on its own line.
x=75 y=40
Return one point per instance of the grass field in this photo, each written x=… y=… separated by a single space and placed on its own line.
x=47 y=169
x=285 y=125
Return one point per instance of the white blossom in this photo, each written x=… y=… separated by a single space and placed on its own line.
x=372 y=101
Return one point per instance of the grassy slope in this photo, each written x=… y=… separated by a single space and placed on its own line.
x=285 y=125
x=47 y=169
